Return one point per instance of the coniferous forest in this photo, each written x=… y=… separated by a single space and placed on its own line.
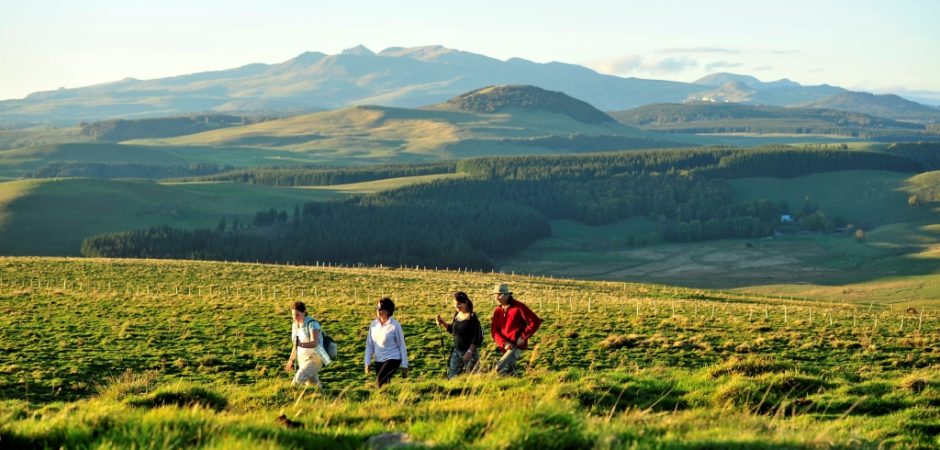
x=505 y=204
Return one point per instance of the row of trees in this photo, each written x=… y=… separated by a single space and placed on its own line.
x=116 y=130
x=507 y=204
x=125 y=170
x=363 y=230
x=712 y=162
x=447 y=223
x=323 y=176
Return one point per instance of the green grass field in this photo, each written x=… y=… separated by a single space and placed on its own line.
x=900 y=239
x=52 y=217
x=371 y=187
x=89 y=359
x=16 y=163
x=375 y=132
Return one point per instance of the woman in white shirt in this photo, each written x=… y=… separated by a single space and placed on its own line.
x=385 y=342
x=308 y=347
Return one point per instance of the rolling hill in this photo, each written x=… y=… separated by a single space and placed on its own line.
x=500 y=120
x=707 y=117
x=52 y=217
x=24 y=161
x=901 y=240
x=886 y=105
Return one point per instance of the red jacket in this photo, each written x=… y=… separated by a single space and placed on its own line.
x=517 y=320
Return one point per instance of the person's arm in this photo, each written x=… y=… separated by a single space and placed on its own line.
x=314 y=332
x=400 y=335
x=370 y=348
x=290 y=361
x=533 y=322
x=476 y=336
x=447 y=326
x=478 y=328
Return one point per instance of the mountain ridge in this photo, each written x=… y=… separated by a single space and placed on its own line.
x=396 y=76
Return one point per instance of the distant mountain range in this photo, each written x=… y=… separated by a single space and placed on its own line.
x=398 y=77
x=735 y=118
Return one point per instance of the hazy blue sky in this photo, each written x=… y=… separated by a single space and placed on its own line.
x=878 y=46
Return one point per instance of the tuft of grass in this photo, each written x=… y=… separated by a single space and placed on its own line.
x=769 y=392
x=748 y=366
x=118 y=387
x=181 y=394
x=616 y=341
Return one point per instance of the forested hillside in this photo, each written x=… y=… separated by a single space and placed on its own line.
x=506 y=203
x=707 y=117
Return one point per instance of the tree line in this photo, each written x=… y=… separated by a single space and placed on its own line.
x=323 y=176
x=447 y=223
x=711 y=162
x=506 y=204
x=125 y=170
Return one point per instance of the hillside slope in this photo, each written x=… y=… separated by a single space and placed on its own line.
x=493 y=121
x=708 y=117
x=52 y=217
x=887 y=105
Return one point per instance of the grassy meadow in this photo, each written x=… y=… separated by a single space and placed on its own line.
x=17 y=162
x=52 y=217
x=900 y=239
x=88 y=360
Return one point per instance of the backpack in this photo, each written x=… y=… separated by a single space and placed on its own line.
x=329 y=345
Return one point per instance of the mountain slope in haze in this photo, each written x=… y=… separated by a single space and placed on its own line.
x=402 y=77
x=886 y=105
x=498 y=120
x=738 y=118
x=737 y=88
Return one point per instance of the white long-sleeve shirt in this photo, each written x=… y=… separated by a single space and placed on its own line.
x=386 y=342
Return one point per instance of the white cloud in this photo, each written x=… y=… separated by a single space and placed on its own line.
x=729 y=51
x=638 y=65
x=620 y=66
x=669 y=65
x=717 y=65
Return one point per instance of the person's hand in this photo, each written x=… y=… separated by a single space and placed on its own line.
x=289 y=365
x=508 y=346
x=367 y=369
x=404 y=372
x=520 y=341
x=467 y=355
x=440 y=320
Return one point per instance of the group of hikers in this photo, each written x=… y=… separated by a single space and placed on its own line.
x=511 y=327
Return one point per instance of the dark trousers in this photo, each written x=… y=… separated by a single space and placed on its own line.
x=385 y=369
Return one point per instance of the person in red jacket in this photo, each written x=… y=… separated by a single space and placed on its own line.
x=512 y=326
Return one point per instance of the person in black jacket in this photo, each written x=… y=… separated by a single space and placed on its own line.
x=468 y=336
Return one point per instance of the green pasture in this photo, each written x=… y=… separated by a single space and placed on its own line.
x=148 y=354
x=900 y=239
x=52 y=217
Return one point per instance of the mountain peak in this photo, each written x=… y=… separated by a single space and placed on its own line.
x=493 y=99
x=423 y=53
x=722 y=78
x=359 y=50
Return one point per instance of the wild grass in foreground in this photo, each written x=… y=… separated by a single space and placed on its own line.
x=155 y=354
x=746 y=404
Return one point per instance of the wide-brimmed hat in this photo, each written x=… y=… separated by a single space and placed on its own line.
x=501 y=288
